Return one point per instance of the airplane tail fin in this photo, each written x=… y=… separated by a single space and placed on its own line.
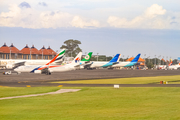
x=59 y=56
x=170 y=62
x=87 y=57
x=115 y=58
x=136 y=58
x=77 y=59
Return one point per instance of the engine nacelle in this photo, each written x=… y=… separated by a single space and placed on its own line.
x=9 y=66
x=37 y=71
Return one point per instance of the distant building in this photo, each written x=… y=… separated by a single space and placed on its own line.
x=12 y=52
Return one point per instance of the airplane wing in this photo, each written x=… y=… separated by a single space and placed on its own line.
x=15 y=65
x=18 y=64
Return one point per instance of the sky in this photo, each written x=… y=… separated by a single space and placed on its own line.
x=106 y=27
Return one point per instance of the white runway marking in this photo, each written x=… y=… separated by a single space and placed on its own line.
x=57 y=92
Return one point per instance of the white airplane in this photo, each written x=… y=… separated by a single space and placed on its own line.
x=13 y=63
x=162 y=67
x=96 y=64
x=29 y=68
x=77 y=62
x=48 y=69
x=173 y=67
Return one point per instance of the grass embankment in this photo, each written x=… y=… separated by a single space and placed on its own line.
x=135 y=80
x=17 y=91
x=97 y=103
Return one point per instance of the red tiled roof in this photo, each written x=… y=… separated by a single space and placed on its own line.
x=14 y=49
x=51 y=52
x=44 y=51
x=6 y=49
x=34 y=50
x=25 y=50
x=140 y=59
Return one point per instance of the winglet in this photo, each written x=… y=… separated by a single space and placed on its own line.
x=87 y=57
x=136 y=58
x=115 y=58
x=59 y=56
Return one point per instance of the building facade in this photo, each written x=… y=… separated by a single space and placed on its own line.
x=11 y=52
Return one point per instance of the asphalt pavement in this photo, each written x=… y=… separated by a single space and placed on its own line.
x=23 y=79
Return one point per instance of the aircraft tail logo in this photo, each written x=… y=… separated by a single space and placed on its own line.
x=59 y=56
x=77 y=60
x=87 y=57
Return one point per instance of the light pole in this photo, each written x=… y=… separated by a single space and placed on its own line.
x=71 y=53
x=42 y=53
x=30 y=54
x=10 y=51
x=148 y=60
x=85 y=55
x=144 y=60
x=163 y=60
x=159 y=60
x=97 y=56
x=155 y=60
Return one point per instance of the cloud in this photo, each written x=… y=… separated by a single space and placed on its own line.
x=154 y=17
x=24 y=15
x=31 y=18
x=79 y=22
x=42 y=4
x=24 y=5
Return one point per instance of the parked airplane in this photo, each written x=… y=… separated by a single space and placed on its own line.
x=96 y=64
x=14 y=63
x=60 y=68
x=173 y=67
x=128 y=64
x=48 y=69
x=77 y=62
x=29 y=68
x=85 y=60
x=162 y=67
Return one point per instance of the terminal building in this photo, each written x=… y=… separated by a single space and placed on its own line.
x=11 y=52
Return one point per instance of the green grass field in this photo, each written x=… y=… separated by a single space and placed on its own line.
x=93 y=103
x=16 y=91
x=135 y=80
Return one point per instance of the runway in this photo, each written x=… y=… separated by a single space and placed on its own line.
x=24 y=79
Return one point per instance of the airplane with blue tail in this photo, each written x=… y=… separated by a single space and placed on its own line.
x=129 y=63
x=97 y=64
